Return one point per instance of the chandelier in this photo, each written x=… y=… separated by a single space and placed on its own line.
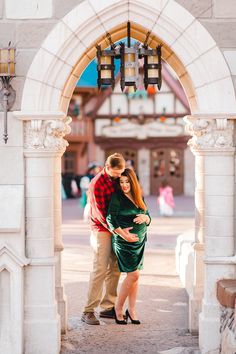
x=129 y=63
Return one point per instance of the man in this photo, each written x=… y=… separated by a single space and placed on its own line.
x=105 y=267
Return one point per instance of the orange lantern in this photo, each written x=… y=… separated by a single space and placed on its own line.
x=162 y=119
x=151 y=90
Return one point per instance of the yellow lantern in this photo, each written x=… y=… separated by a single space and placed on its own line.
x=7 y=61
x=129 y=67
x=7 y=93
x=105 y=67
x=152 y=67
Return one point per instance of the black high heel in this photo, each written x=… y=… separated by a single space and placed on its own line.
x=136 y=322
x=120 y=322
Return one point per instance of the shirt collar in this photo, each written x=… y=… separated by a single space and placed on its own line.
x=107 y=176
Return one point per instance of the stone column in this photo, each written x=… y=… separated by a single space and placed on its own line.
x=212 y=144
x=44 y=144
x=58 y=245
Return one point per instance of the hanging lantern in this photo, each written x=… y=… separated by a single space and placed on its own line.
x=152 y=67
x=117 y=117
x=7 y=61
x=163 y=115
x=129 y=63
x=162 y=119
x=7 y=93
x=151 y=90
x=129 y=66
x=105 y=67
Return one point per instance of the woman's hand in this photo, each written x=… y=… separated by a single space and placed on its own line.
x=126 y=235
x=141 y=218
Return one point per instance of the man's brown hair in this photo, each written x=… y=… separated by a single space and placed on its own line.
x=116 y=160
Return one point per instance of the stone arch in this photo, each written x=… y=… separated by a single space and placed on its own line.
x=187 y=47
x=190 y=50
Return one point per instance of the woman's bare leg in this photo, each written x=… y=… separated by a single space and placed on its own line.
x=132 y=300
x=129 y=281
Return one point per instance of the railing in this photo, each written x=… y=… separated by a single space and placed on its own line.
x=79 y=128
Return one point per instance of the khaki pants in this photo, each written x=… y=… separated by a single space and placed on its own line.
x=105 y=269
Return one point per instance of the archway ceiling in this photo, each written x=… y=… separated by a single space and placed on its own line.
x=187 y=47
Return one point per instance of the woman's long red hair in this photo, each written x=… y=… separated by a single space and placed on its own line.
x=135 y=188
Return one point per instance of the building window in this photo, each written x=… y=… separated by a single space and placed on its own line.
x=69 y=162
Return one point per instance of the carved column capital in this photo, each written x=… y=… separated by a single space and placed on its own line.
x=46 y=134
x=214 y=134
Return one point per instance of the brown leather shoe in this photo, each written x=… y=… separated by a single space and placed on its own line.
x=90 y=318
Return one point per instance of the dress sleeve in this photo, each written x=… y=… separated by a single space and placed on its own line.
x=113 y=212
x=147 y=213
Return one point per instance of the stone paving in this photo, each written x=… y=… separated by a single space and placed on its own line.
x=162 y=302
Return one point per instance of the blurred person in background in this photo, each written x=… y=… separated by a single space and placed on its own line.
x=95 y=170
x=166 y=199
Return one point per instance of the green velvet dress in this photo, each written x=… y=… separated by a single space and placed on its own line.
x=121 y=213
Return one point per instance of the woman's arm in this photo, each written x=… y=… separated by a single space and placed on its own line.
x=149 y=219
x=112 y=221
x=113 y=211
x=143 y=218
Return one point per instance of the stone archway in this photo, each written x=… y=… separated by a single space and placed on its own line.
x=188 y=49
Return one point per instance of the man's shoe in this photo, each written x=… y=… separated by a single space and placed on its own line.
x=90 y=318
x=109 y=313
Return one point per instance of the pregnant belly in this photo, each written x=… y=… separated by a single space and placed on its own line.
x=128 y=222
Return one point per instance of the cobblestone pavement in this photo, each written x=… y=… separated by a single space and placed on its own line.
x=162 y=302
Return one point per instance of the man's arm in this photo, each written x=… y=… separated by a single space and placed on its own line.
x=98 y=203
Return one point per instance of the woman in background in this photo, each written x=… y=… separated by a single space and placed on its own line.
x=166 y=199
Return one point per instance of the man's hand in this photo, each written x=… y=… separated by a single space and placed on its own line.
x=129 y=237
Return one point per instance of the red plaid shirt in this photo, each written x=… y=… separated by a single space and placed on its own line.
x=101 y=189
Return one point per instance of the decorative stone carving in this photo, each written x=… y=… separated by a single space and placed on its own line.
x=209 y=133
x=47 y=134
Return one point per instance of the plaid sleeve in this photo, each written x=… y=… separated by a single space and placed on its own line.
x=100 y=202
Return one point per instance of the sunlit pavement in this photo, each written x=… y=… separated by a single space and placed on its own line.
x=162 y=302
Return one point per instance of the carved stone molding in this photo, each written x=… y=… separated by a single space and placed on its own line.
x=12 y=258
x=46 y=134
x=12 y=299
x=214 y=134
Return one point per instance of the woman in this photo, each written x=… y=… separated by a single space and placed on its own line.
x=166 y=199
x=127 y=209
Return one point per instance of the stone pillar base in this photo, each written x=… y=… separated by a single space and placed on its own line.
x=196 y=292
x=209 y=327
x=62 y=307
x=49 y=340
x=195 y=305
